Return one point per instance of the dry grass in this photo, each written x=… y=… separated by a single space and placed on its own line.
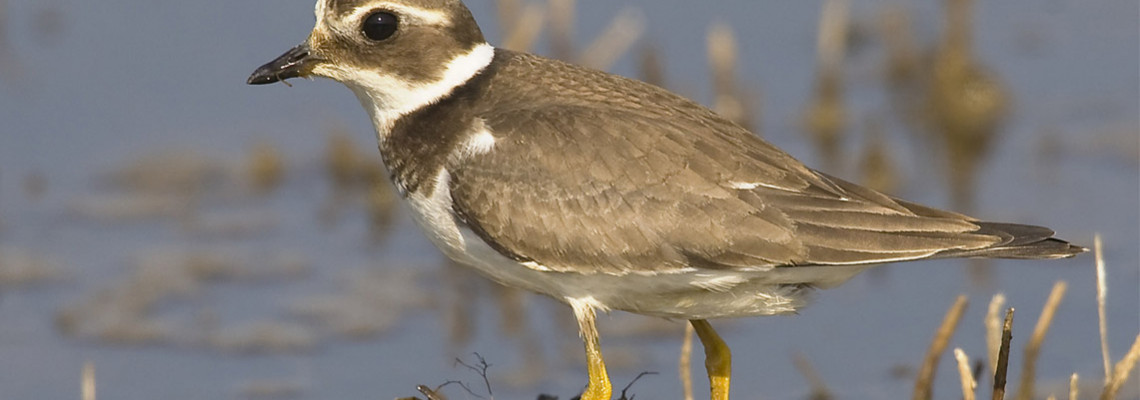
x=818 y=388
x=615 y=41
x=876 y=165
x=561 y=22
x=1074 y=387
x=1101 y=300
x=969 y=385
x=1025 y=390
x=826 y=115
x=728 y=99
x=994 y=330
x=685 y=363
x=522 y=35
x=1122 y=371
x=87 y=381
x=925 y=381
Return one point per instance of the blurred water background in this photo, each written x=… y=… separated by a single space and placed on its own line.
x=197 y=238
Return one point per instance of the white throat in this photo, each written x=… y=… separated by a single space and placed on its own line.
x=387 y=97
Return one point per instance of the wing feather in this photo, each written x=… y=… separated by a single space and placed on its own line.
x=635 y=179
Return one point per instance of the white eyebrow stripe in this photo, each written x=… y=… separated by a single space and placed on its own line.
x=421 y=16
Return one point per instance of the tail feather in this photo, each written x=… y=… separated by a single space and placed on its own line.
x=1024 y=242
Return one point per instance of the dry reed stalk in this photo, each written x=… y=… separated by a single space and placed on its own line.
x=87 y=380
x=819 y=389
x=561 y=14
x=685 y=365
x=1074 y=387
x=922 y=386
x=265 y=167
x=876 y=167
x=1003 y=357
x=1101 y=299
x=832 y=40
x=626 y=28
x=1033 y=348
x=994 y=329
x=526 y=29
x=723 y=55
x=969 y=385
x=960 y=21
x=826 y=115
x=1121 y=372
x=508 y=15
x=651 y=67
x=902 y=53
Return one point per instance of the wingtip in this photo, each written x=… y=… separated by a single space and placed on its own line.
x=1076 y=250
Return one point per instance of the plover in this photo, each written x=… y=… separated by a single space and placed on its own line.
x=607 y=193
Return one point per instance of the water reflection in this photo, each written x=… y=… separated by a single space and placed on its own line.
x=731 y=99
x=355 y=175
x=876 y=166
x=967 y=103
x=266 y=167
x=826 y=115
x=23 y=268
x=134 y=309
x=902 y=69
x=651 y=69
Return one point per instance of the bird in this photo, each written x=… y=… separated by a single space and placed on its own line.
x=607 y=193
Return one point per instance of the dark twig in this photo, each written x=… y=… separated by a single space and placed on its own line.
x=480 y=368
x=630 y=385
x=1001 y=368
x=819 y=389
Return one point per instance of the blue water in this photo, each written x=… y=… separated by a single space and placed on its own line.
x=86 y=87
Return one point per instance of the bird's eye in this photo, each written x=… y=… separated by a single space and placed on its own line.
x=380 y=25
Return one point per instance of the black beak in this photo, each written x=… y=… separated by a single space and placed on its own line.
x=293 y=64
